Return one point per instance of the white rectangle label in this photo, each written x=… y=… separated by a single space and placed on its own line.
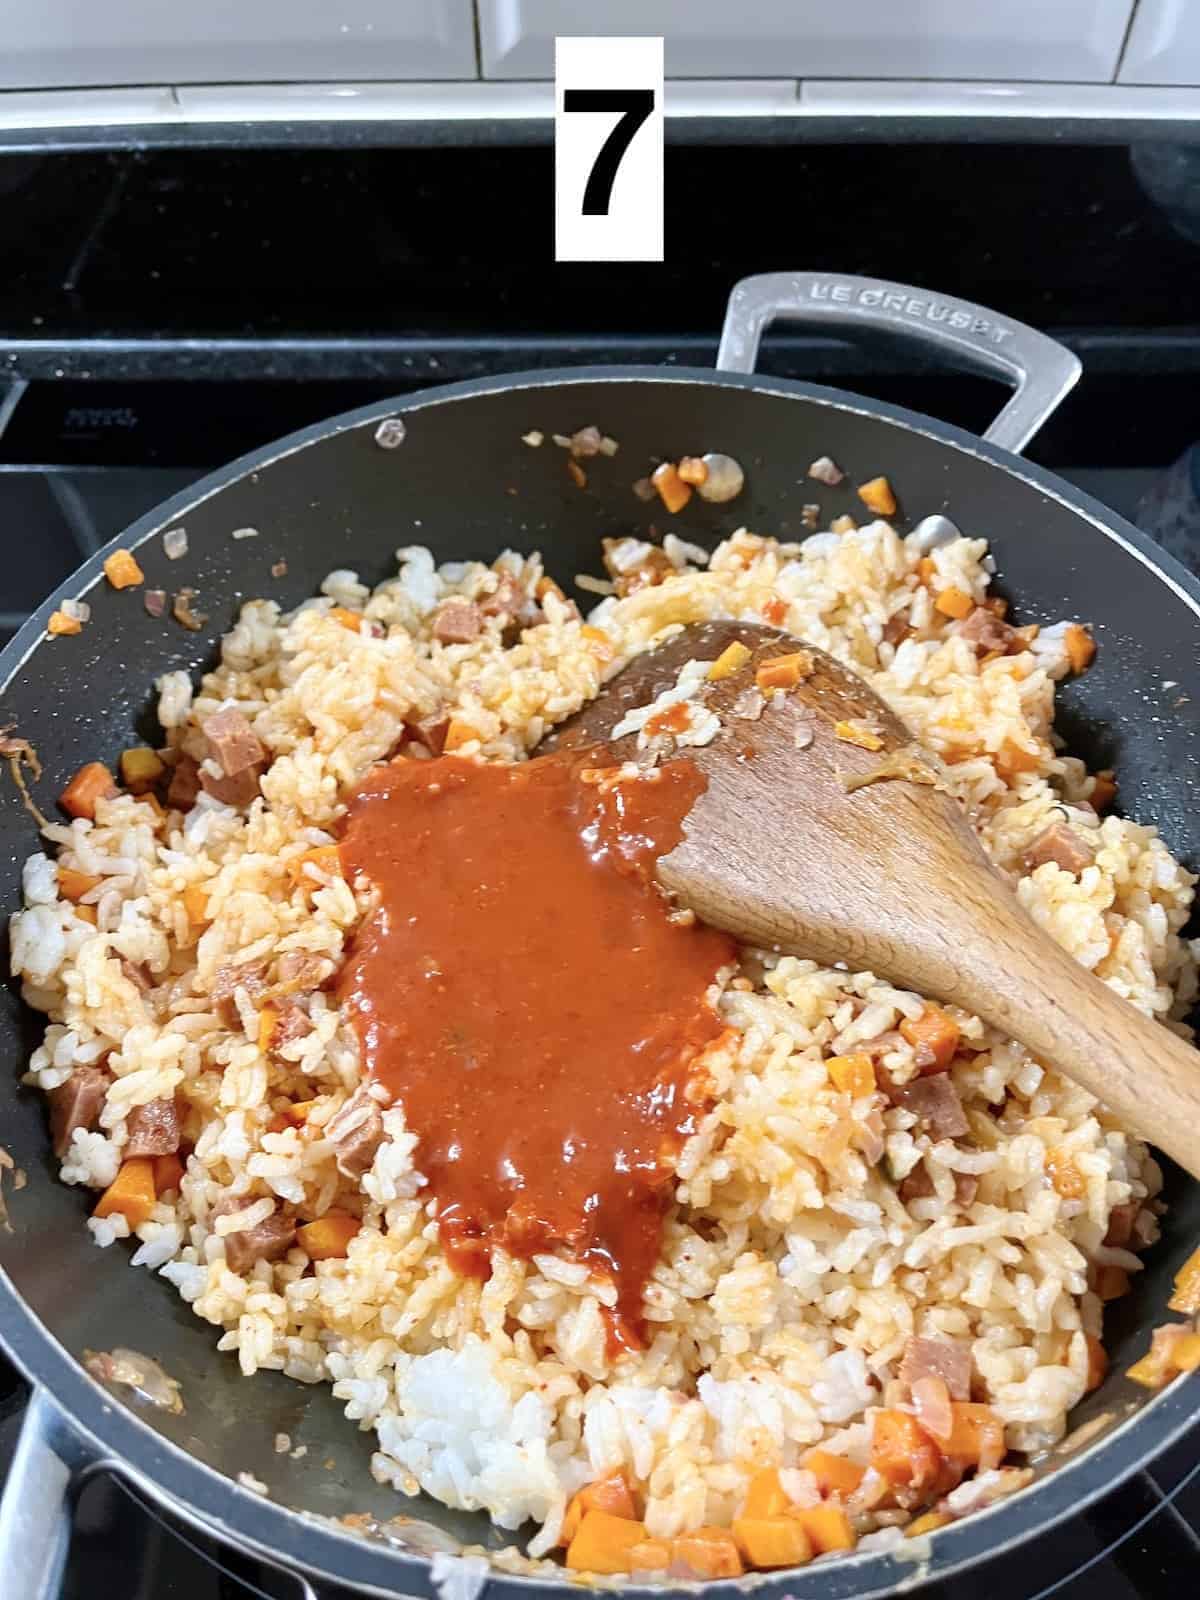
x=608 y=149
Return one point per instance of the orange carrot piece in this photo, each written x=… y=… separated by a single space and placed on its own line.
x=73 y=885
x=853 y=1075
x=349 y=620
x=122 y=571
x=785 y=672
x=651 y=1555
x=168 y=1173
x=1012 y=758
x=1065 y=1177
x=1081 y=647
x=1187 y=1284
x=195 y=903
x=91 y=783
x=853 y=732
x=954 y=602
x=612 y=1494
x=834 y=1474
x=828 y=1528
x=902 y=1452
x=1097 y=1363
x=772 y=1541
x=877 y=496
x=326 y=858
x=929 y=1523
x=458 y=734
x=926 y=570
x=976 y=1437
x=268 y=1021
x=765 y=1496
x=328 y=1237
x=88 y=914
x=934 y=1036
x=693 y=470
x=131 y=1192
x=733 y=656
x=774 y=610
x=672 y=490
x=709 y=1552
x=603 y=1543
x=60 y=623
x=1185 y=1353
x=140 y=768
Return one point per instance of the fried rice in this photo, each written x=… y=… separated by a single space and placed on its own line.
x=792 y=1275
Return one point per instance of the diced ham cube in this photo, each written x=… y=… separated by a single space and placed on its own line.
x=240 y=754
x=300 y=971
x=76 y=1104
x=1120 y=1224
x=248 y=975
x=431 y=731
x=185 y=783
x=154 y=1129
x=1062 y=845
x=947 y=1359
x=935 y=1104
x=356 y=1132
x=294 y=1023
x=918 y=1185
x=986 y=631
x=457 y=621
x=268 y=1240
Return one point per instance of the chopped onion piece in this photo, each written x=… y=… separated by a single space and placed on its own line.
x=245 y=533
x=725 y=479
x=175 y=544
x=78 y=609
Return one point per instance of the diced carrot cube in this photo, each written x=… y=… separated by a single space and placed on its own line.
x=672 y=490
x=1081 y=647
x=692 y=469
x=458 y=734
x=195 y=903
x=929 y=1523
x=954 y=602
x=598 y=643
x=709 y=1552
x=325 y=858
x=546 y=585
x=121 y=570
x=328 y=1237
x=1097 y=1363
x=603 y=1543
x=1104 y=791
x=828 y=1528
x=87 y=914
x=934 y=1036
x=1187 y=1282
x=765 y=1496
x=853 y=1075
x=976 y=1436
x=73 y=885
x=774 y=610
x=1012 y=758
x=350 y=620
x=60 y=623
x=140 y=768
x=1111 y=1282
x=926 y=570
x=131 y=1192
x=858 y=733
x=651 y=1555
x=268 y=1021
x=877 y=496
x=772 y=1541
x=785 y=672
x=168 y=1173
x=91 y=783
x=733 y=656
x=902 y=1452
x=611 y=1494
x=1185 y=1353
x=834 y=1474
x=1065 y=1177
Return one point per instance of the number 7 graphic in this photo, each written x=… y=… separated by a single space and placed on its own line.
x=634 y=106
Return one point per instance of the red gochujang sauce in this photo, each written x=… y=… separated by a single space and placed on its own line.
x=521 y=989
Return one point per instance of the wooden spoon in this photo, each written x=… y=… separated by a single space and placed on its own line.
x=888 y=878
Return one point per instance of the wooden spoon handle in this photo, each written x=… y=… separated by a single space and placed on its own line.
x=1020 y=981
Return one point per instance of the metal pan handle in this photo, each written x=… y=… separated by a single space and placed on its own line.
x=39 y=1494
x=1041 y=371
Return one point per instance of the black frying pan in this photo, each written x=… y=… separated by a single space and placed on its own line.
x=456 y=476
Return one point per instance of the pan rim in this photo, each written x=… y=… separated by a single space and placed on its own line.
x=210 y=1500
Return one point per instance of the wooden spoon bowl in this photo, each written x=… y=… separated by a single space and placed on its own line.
x=790 y=850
